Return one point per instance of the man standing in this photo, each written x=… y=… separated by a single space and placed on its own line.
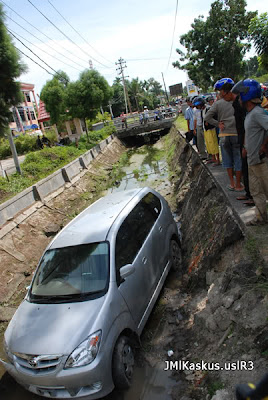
x=256 y=146
x=223 y=110
x=189 y=116
x=199 y=104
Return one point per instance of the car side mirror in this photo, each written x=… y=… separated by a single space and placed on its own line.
x=126 y=270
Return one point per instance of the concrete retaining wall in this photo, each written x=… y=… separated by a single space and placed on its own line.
x=50 y=184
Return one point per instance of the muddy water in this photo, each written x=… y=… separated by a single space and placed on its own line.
x=149 y=382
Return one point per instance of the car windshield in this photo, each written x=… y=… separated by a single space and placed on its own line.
x=72 y=272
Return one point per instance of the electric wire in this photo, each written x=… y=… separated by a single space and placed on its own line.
x=42 y=34
x=55 y=26
x=79 y=34
x=32 y=51
x=50 y=73
x=173 y=34
x=43 y=51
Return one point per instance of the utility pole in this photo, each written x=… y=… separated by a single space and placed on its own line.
x=122 y=65
x=165 y=88
x=90 y=64
x=14 y=153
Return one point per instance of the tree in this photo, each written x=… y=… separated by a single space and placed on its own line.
x=216 y=46
x=85 y=96
x=258 y=28
x=118 y=102
x=53 y=95
x=11 y=68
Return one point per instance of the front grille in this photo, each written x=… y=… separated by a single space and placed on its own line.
x=37 y=364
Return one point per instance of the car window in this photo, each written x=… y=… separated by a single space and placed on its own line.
x=135 y=229
x=153 y=203
x=72 y=271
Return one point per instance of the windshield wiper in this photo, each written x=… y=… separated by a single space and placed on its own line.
x=61 y=298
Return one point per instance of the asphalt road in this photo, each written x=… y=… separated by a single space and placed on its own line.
x=8 y=165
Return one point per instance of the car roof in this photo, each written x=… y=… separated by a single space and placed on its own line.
x=94 y=223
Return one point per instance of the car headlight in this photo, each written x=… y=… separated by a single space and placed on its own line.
x=86 y=352
x=8 y=355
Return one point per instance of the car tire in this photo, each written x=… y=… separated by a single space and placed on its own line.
x=175 y=255
x=123 y=363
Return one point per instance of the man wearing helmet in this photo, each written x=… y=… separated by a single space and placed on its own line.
x=199 y=103
x=230 y=149
x=256 y=145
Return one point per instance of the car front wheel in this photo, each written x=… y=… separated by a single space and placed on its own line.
x=123 y=363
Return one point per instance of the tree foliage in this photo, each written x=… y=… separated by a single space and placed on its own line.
x=215 y=46
x=141 y=93
x=85 y=96
x=54 y=94
x=258 y=28
x=11 y=68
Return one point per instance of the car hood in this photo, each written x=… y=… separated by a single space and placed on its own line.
x=52 y=328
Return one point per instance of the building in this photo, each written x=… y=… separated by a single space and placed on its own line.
x=24 y=115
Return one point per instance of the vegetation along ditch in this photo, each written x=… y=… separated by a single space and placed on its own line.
x=215 y=310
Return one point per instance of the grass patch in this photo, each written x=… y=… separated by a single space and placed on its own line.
x=214 y=386
x=181 y=123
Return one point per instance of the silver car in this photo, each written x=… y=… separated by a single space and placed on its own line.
x=74 y=334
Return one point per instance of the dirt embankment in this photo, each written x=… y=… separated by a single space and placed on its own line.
x=219 y=307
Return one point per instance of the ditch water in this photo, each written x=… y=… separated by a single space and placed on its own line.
x=146 y=166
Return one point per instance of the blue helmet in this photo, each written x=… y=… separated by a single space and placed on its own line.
x=219 y=84
x=198 y=101
x=248 y=89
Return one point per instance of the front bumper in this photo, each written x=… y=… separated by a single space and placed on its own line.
x=94 y=381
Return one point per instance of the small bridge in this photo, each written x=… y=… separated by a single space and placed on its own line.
x=136 y=128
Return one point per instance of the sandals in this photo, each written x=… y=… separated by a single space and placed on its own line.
x=240 y=189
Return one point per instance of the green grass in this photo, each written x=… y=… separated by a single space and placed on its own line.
x=181 y=123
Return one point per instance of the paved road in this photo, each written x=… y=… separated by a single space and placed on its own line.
x=9 y=166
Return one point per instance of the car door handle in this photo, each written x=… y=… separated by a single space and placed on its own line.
x=160 y=229
x=144 y=260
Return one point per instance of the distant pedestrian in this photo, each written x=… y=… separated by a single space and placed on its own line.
x=210 y=135
x=46 y=141
x=189 y=116
x=199 y=105
x=223 y=110
x=123 y=120
x=145 y=115
x=39 y=143
x=141 y=118
x=256 y=146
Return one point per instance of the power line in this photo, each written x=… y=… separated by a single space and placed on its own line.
x=42 y=34
x=34 y=61
x=78 y=32
x=55 y=26
x=51 y=55
x=32 y=51
x=173 y=34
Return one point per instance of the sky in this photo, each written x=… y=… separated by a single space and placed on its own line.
x=139 y=31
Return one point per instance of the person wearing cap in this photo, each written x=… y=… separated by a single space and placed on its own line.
x=256 y=146
x=223 y=110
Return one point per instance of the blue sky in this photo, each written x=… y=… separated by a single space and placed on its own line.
x=129 y=29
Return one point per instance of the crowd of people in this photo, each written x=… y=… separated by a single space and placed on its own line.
x=235 y=124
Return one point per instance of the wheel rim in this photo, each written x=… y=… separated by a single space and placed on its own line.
x=128 y=360
x=175 y=254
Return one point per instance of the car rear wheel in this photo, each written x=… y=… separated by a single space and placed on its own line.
x=175 y=255
x=123 y=363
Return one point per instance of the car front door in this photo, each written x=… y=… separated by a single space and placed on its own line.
x=134 y=246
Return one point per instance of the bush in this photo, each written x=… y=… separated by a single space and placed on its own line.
x=5 y=150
